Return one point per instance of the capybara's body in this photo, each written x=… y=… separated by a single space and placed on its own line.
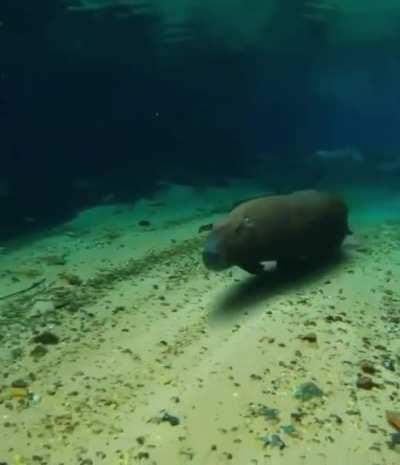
x=304 y=225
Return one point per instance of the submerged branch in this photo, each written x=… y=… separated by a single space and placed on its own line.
x=22 y=291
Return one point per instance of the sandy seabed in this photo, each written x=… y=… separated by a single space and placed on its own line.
x=119 y=347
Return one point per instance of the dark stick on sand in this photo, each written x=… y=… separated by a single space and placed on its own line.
x=22 y=291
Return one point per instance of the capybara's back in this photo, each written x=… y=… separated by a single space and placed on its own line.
x=318 y=222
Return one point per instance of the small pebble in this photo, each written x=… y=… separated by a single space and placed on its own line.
x=365 y=382
x=144 y=223
x=367 y=367
x=46 y=338
x=39 y=351
x=171 y=419
x=19 y=383
x=297 y=415
x=34 y=399
x=310 y=337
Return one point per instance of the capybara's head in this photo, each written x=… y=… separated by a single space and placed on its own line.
x=227 y=242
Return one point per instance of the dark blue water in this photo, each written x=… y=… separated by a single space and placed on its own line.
x=92 y=108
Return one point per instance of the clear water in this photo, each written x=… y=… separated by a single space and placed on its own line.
x=130 y=129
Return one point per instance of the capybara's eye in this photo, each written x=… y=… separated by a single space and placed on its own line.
x=246 y=221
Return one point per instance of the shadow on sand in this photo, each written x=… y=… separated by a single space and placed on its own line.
x=239 y=298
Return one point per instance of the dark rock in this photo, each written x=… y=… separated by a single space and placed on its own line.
x=171 y=419
x=297 y=415
x=381 y=347
x=144 y=223
x=333 y=318
x=46 y=338
x=19 y=383
x=365 y=382
x=310 y=337
x=367 y=367
x=39 y=351
x=337 y=419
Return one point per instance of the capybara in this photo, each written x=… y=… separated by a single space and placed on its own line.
x=304 y=225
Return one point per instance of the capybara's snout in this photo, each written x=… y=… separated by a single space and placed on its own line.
x=214 y=256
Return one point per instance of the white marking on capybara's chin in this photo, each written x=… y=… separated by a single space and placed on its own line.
x=214 y=257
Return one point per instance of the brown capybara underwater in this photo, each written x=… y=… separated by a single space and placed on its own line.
x=301 y=226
